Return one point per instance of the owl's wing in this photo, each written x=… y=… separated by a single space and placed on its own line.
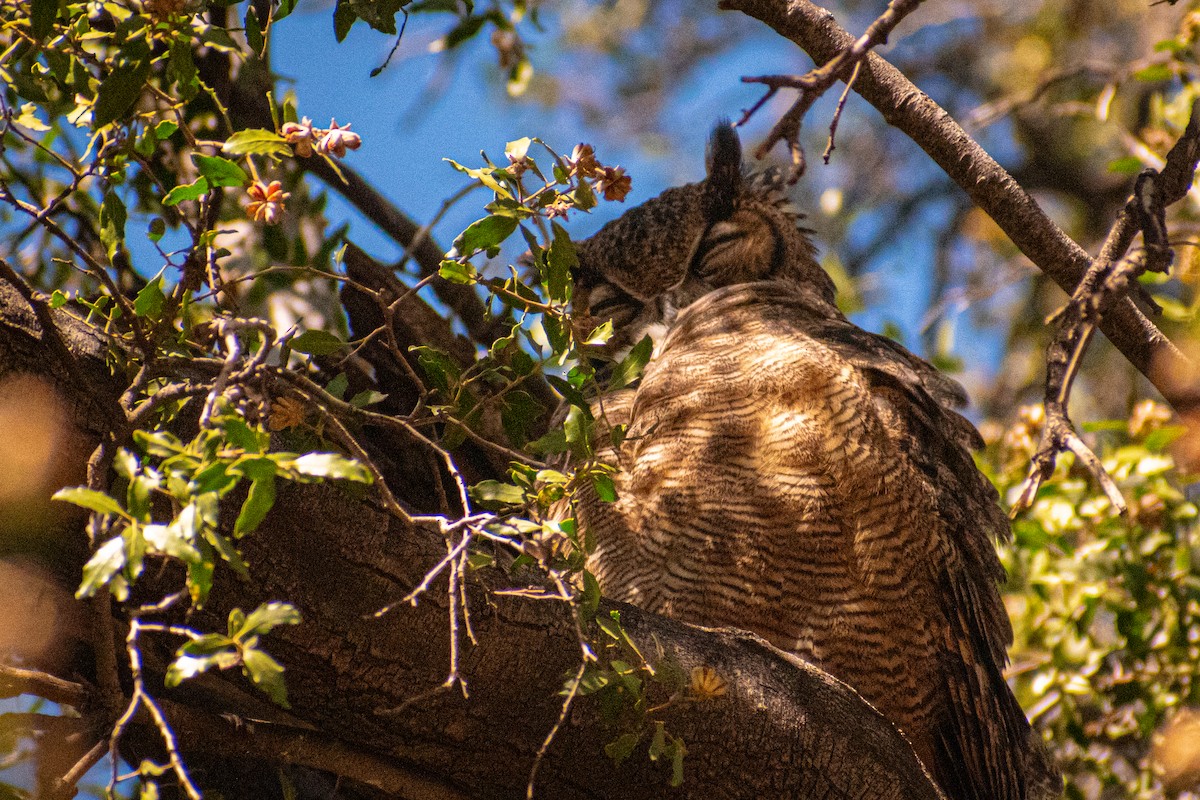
x=919 y=405
x=881 y=477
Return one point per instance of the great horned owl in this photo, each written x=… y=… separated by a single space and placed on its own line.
x=789 y=473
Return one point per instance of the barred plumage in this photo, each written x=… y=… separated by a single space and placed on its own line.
x=791 y=474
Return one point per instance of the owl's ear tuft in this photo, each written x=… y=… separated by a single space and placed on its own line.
x=724 y=169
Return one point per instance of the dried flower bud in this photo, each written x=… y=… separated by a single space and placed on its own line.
x=583 y=161
x=613 y=183
x=337 y=140
x=301 y=136
x=266 y=202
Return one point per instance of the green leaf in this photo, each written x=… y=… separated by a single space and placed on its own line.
x=462 y=32
x=196 y=189
x=178 y=538
x=156 y=230
x=578 y=430
x=256 y=141
x=1153 y=73
x=330 y=465
x=337 y=386
x=150 y=299
x=630 y=368
x=90 y=499
x=603 y=484
x=552 y=443
x=343 y=19
x=58 y=299
x=112 y=223
x=102 y=566
x=165 y=130
x=589 y=601
x=1129 y=165
x=254 y=34
x=200 y=577
x=317 y=342
x=560 y=260
x=494 y=494
x=42 y=14
x=266 y=674
x=439 y=367
x=484 y=176
x=485 y=234
x=457 y=271
x=367 y=397
x=199 y=655
x=181 y=66
x=119 y=90
x=259 y=499
x=220 y=171
x=622 y=747
x=678 y=751
x=266 y=617
x=241 y=435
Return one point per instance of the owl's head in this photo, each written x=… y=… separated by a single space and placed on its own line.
x=641 y=269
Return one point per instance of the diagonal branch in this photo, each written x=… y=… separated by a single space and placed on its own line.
x=989 y=186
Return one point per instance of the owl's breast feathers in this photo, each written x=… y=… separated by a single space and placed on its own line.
x=789 y=473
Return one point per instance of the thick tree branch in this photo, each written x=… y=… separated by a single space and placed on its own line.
x=910 y=110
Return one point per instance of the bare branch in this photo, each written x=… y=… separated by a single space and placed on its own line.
x=989 y=186
x=1106 y=282
x=15 y=681
x=816 y=82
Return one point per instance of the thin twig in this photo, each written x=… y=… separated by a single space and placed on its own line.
x=816 y=82
x=837 y=112
x=562 y=717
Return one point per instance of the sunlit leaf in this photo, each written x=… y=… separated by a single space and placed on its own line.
x=90 y=499
x=267 y=617
x=330 y=465
x=102 y=566
x=191 y=191
x=220 y=171
x=256 y=141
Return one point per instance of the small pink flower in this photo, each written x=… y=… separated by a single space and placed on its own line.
x=558 y=208
x=266 y=202
x=301 y=136
x=337 y=140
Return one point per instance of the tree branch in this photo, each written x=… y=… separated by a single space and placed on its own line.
x=907 y=108
x=1106 y=282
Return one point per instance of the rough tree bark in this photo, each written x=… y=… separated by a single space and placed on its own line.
x=784 y=729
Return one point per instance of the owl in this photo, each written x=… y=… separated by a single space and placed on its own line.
x=786 y=472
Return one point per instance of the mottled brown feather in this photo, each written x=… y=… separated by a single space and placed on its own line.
x=788 y=473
